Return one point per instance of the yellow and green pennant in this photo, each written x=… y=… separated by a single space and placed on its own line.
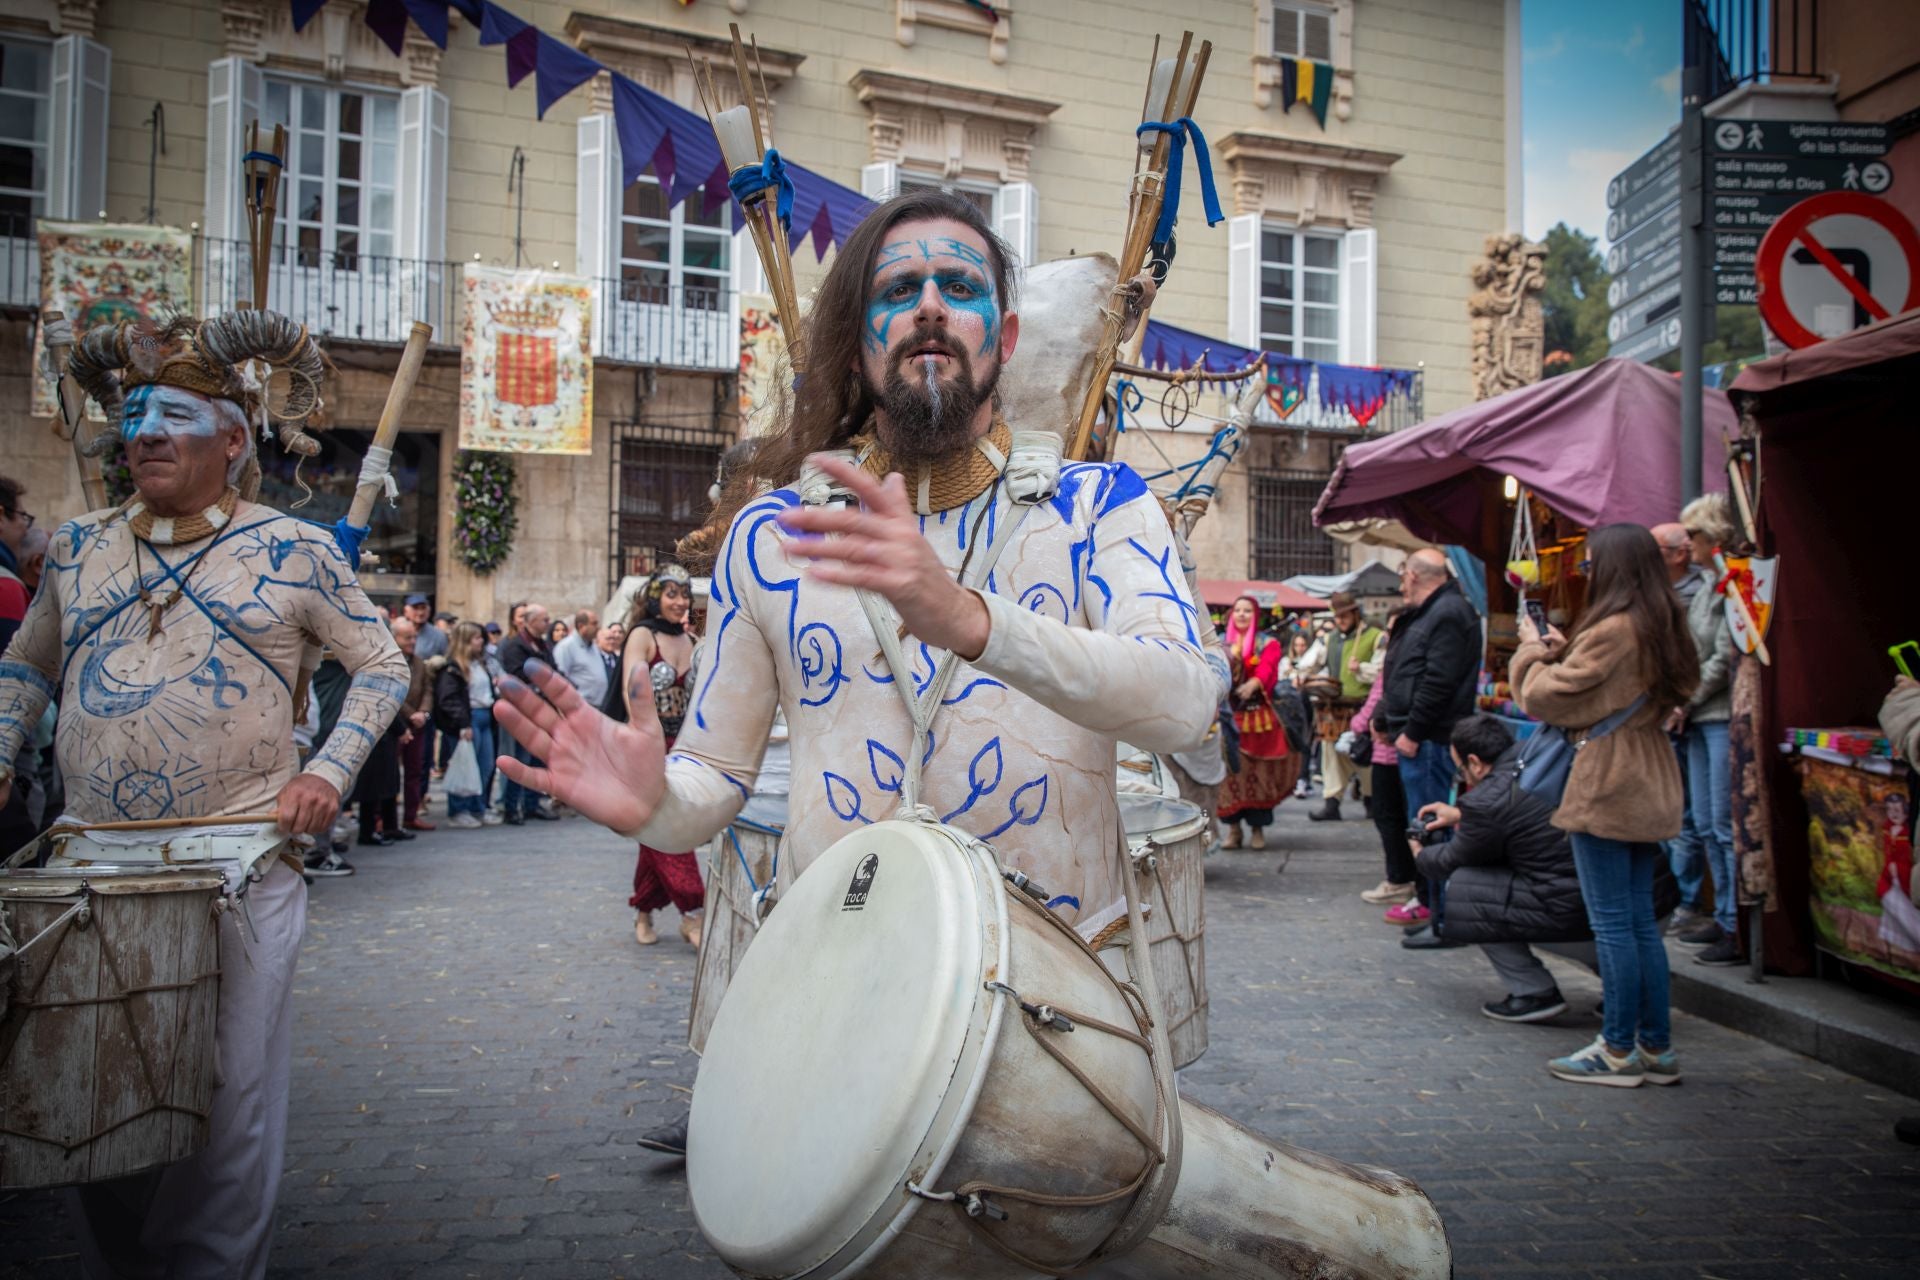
x=1308 y=82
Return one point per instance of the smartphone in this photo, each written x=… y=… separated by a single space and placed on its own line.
x=1906 y=656
x=1537 y=612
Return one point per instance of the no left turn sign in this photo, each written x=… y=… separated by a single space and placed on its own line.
x=1835 y=262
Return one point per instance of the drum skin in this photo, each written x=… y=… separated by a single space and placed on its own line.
x=1169 y=841
x=859 y=1049
x=749 y=847
x=126 y=1080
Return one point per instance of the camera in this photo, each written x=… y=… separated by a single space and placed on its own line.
x=1422 y=836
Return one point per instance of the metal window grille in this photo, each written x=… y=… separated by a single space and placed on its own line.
x=661 y=475
x=1285 y=542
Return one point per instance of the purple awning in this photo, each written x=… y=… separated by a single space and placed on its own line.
x=1600 y=446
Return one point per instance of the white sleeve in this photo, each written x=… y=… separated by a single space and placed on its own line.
x=714 y=763
x=1139 y=675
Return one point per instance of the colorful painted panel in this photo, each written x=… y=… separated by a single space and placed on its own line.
x=1866 y=897
x=100 y=273
x=526 y=369
x=763 y=360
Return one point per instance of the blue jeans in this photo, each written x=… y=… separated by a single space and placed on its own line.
x=1685 y=852
x=1616 y=879
x=1710 y=799
x=515 y=798
x=1427 y=776
x=484 y=749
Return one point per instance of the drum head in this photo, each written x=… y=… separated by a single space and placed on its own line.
x=827 y=1074
x=1164 y=821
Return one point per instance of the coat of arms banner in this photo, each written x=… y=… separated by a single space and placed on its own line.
x=100 y=273
x=526 y=370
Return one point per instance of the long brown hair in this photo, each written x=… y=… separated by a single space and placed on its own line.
x=829 y=405
x=460 y=642
x=1629 y=577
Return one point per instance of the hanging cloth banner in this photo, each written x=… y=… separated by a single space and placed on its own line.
x=1287 y=382
x=100 y=273
x=526 y=372
x=1308 y=82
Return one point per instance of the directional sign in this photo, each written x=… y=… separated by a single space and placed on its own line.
x=1649 y=308
x=1844 y=138
x=1659 y=266
x=1836 y=262
x=1731 y=287
x=1649 y=344
x=1751 y=213
x=1644 y=240
x=1735 y=249
x=1640 y=208
x=1787 y=175
x=1630 y=181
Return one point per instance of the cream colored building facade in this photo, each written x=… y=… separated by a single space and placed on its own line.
x=1349 y=243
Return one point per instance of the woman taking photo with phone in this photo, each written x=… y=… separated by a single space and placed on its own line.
x=1631 y=657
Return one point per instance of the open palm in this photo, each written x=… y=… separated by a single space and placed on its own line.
x=613 y=773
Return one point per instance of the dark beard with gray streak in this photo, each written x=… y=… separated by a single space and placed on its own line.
x=928 y=417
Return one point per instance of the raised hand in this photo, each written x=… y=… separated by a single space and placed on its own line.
x=879 y=548
x=613 y=773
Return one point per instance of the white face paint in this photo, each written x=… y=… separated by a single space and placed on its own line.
x=168 y=411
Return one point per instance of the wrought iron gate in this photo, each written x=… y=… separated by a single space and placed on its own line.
x=661 y=475
x=1285 y=543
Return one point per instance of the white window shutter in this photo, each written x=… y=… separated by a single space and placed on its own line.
x=1243 y=280
x=234 y=90
x=1263 y=29
x=879 y=181
x=1359 y=253
x=422 y=200
x=1016 y=209
x=77 y=133
x=749 y=274
x=597 y=216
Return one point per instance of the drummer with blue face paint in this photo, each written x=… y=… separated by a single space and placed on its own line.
x=948 y=617
x=172 y=629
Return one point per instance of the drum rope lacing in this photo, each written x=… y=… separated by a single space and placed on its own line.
x=1041 y=1020
x=122 y=997
x=1101 y=940
x=761 y=892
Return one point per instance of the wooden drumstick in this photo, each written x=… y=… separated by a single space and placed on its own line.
x=162 y=824
x=71 y=405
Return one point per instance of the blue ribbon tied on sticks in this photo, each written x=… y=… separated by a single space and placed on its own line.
x=748 y=181
x=1178 y=132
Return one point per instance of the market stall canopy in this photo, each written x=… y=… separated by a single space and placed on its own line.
x=1896 y=338
x=1371 y=579
x=1599 y=446
x=1220 y=593
x=1376 y=533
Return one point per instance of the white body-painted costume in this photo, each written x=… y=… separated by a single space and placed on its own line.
x=1094 y=638
x=198 y=721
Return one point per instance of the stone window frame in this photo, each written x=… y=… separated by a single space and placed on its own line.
x=656 y=56
x=956 y=15
x=337 y=45
x=1302 y=182
x=1266 y=64
x=948 y=131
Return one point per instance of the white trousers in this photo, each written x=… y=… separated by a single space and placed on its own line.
x=1337 y=769
x=211 y=1215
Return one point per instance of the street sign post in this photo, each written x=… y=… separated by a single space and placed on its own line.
x=1659 y=266
x=1803 y=138
x=1663 y=190
x=1835 y=262
x=1649 y=344
x=1644 y=241
x=1790 y=175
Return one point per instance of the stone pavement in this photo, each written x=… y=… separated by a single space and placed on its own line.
x=480 y=1040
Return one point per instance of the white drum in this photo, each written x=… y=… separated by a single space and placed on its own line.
x=1168 y=840
x=106 y=1046
x=741 y=865
x=886 y=1091
x=891 y=1037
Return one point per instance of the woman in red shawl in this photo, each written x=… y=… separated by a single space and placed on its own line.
x=1268 y=769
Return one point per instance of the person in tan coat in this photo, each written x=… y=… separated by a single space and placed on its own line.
x=1631 y=652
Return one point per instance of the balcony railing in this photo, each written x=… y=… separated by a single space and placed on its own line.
x=353 y=297
x=677 y=327
x=1404 y=407
x=19 y=261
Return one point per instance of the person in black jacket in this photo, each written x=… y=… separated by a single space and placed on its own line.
x=1433 y=656
x=527 y=643
x=1508 y=870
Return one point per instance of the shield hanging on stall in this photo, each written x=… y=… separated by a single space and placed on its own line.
x=1753 y=579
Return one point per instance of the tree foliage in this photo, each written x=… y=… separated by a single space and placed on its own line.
x=1575 y=301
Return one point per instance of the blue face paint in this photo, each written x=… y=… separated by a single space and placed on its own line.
x=956 y=269
x=167 y=411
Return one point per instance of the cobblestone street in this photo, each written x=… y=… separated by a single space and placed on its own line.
x=480 y=1040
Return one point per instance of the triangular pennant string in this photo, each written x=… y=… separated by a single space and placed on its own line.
x=431 y=17
x=562 y=69
x=304 y=12
x=387 y=19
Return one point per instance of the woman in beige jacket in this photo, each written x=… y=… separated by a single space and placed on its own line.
x=1631 y=650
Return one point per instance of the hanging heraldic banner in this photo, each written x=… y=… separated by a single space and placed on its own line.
x=100 y=273
x=526 y=370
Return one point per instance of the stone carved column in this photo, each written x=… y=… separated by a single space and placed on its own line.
x=1509 y=323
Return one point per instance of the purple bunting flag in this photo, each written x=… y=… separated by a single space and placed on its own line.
x=559 y=70
x=304 y=12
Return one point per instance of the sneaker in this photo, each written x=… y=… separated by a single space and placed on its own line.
x=1526 y=1008
x=514 y=820
x=491 y=819
x=1722 y=953
x=1661 y=1065
x=1703 y=934
x=1387 y=892
x=1683 y=919
x=540 y=813
x=1408 y=914
x=1596 y=1065
x=464 y=822
x=331 y=865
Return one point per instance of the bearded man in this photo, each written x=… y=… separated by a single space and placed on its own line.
x=1080 y=632
x=172 y=628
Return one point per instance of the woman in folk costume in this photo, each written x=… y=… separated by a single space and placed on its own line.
x=658 y=665
x=1268 y=767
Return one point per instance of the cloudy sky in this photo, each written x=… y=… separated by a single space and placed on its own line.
x=1600 y=85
